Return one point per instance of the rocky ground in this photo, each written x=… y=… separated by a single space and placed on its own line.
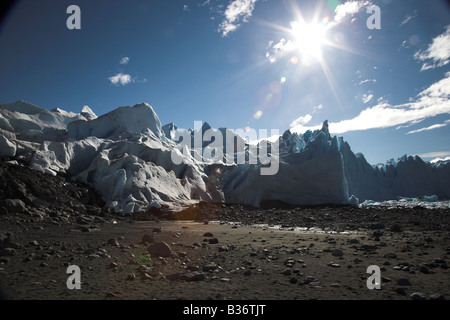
x=212 y=251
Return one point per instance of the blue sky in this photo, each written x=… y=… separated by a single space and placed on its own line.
x=260 y=64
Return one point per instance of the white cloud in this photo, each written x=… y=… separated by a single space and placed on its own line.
x=366 y=98
x=120 y=79
x=437 y=156
x=440 y=159
x=124 y=60
x=301 y=120
x=237 y=11
x=319 y=107
x=433 y=101
x=348 y=8
x=438 y=52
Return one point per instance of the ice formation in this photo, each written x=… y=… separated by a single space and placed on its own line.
x=126 y=155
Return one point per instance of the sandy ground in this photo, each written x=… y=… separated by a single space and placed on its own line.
x=219 y=261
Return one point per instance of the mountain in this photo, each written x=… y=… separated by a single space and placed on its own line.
x=135 y=163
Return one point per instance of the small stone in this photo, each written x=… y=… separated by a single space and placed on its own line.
x=147 y=238
x=403 y=282
x=334 y=265
x=131 y=276
x=417 y=296
x=113 y=242
x=437 y=297
x=337 y=253
x=287 y=272
x=190 y=276
x=335 y=285
x=424 y=270
x=213 y=241
x=247 y=273
x=113 y=265
x=401 y=291
x=293 y=280
x=208 y=234
x=209 y=267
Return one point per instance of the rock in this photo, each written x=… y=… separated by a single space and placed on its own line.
x=334 y=265
x=335 y=285
x=208 y=234
x=417 y=296
x=15 y=206
x=293 y=280
x=437 y=297
x=189 y=276
x=337 y=253
x=160 y=249
x=403 y=282
x=147 y=238
x=192 y=268
x=377 y=225
x=7 y=252
x=396 y=228
x=131 y=276
x=209 y=267
x=156 y=230
x=287 y=272
x=213 y=241
x=247 y=273
x=113 y=242
x=401 y=291
x=5 y=238
x=113 y=265
x=424 y=269
x=84 y=220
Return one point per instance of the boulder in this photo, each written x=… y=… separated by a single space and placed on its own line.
x=160 y=249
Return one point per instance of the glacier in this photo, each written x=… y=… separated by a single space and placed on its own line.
x=127 y=156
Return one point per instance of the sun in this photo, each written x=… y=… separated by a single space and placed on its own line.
x=309 y=38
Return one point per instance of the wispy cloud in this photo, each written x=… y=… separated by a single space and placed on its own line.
x=238 y=11
x=120 y=79
x=124 y=60
x=366 y=81
x=408 y=18
x=438 y=52
x=433 y=101
x=434 y=126
x=278 y=50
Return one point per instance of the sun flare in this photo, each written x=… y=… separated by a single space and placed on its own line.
x=309 y=38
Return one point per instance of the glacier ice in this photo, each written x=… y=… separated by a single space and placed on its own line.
x=127 y=155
